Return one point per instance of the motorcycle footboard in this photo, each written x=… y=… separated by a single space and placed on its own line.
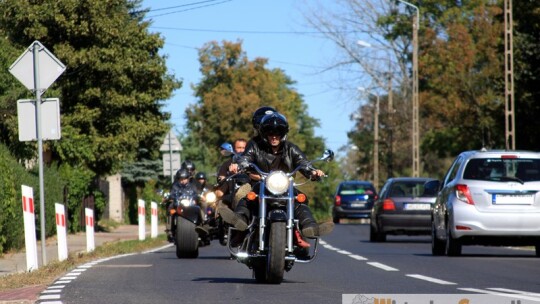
x=312 y=254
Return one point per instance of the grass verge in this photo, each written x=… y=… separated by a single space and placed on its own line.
x=49 y=273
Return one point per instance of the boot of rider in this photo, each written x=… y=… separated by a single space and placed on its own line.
x=239 y=217
x=308 y=225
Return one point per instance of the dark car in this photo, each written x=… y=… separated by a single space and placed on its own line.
x=353 y=199
x=403 y=207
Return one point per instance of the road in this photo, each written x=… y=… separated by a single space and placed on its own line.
x=347 y=264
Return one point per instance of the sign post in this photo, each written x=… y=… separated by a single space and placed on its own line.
x=171 y=161
x=38 y=78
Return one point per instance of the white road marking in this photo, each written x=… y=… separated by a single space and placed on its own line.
x=430 y=279
x=56 y=287
x=49 y=297
x=52 y=291
x=382 y=266
x=62 y=282
x=508 y=295
x=527 y=293
x=158 y=249
x=344 y=252
x=357 y=257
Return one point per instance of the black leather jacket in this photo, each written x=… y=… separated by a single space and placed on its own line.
x=291 y=157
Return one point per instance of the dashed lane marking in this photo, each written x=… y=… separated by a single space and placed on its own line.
x=382 y=266
x=430 y=279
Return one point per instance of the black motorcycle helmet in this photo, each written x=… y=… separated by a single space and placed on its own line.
x=274 y=123
x=182 y=173
x=259 y=114
x=189 y=166
x=200 y=175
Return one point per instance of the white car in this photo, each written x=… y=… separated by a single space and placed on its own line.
x=487 y=198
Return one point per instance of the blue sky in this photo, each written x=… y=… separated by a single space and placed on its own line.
x=273 y=29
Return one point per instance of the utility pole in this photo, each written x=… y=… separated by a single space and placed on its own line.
x=510 y=134
x=415 y=104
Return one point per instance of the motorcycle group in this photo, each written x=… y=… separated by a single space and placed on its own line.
x=255 y=209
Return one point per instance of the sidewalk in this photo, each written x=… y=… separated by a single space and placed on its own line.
x=16 y=262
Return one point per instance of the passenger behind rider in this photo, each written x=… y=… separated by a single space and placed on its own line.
x=180 y=185
x=270 y=150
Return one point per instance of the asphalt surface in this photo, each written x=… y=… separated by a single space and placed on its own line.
x=16 y=262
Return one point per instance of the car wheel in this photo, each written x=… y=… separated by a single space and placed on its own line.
x=375 y=235
x=335 y=219
x=437 y=246
x=537 y=248
x=453 y=246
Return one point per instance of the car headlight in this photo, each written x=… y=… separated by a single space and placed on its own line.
x=277 y=182
x=186 y=202
x=210 y=197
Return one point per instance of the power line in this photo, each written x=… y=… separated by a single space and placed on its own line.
x=187 y=9
x=250 y=32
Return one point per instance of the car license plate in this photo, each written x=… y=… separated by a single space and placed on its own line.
x=417 y=206
x=358 y=204
x=513 y=199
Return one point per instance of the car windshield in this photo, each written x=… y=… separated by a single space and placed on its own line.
x=409 y=189
x=355 y=189
x=501 y=169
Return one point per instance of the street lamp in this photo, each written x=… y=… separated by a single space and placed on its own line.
x=415 y=120
x=375 y=138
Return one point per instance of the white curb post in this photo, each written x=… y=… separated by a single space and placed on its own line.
x=89 y=219
x=154 y=220
x=29 y=228
x=61 y=233
x=142 y=220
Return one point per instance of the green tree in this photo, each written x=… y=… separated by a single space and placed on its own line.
x=231 y=89
x=115 y=80
x=462 y=79
x=526 y=16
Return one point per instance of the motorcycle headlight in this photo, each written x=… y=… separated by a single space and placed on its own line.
x=185 y=202
x=277 y=182
x=210 y=197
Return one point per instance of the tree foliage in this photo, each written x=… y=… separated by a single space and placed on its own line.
x=461 y=73
x=231 y=89
x=115 y=80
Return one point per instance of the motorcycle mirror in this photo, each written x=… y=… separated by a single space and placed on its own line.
x=328 y=155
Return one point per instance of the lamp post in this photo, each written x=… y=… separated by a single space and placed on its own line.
x=375 y=139
x=415 y=113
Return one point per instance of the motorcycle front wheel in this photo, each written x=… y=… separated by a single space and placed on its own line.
x=187 y=239
x=275 y=263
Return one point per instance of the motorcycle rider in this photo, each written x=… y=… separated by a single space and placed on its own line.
x=274 y=152
x=180 y=185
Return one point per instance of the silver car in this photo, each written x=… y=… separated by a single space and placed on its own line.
x=487 y=198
